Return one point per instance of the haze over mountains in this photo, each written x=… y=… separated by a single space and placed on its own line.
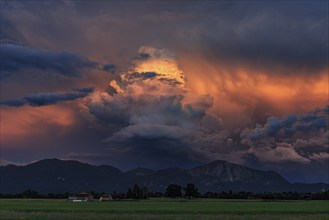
x=54 y=175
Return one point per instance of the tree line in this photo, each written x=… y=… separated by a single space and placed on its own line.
x=177 y=191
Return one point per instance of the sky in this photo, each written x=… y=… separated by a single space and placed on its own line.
x=162 y=84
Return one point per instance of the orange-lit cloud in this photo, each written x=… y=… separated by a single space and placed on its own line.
x=21 y=125
x=253 y=92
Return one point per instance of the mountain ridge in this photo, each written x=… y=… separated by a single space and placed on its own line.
x=55 y=175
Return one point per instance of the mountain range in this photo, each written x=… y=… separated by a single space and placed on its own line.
x=54 y=175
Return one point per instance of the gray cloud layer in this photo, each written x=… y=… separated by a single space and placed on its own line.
x=268 y=35
x=280 y=35
x=300 y=138
x=17 y=58
x=42 y=99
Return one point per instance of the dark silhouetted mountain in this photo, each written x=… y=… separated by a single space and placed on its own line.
x=53 y=175
x=139 y=172
x=221 y=175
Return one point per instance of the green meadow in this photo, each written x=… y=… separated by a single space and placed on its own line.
x=159 y=209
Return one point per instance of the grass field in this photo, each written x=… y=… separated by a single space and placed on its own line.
x=159 y=209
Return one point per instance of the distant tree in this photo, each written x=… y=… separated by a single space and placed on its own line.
x=31 y=194
x=137 y=193
x=50 y=195
x=129 y=194
x=145 y=192
x=173 y=190
x=155 y=194
x=191 y=191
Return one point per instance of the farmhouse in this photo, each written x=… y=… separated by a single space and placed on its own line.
x=105 y=197
x=81 y=197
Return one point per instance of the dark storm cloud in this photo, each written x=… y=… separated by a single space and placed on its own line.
x=84 y=90
x=42 y=99
x=158 y=121
x=156 y=148
x=143 y=56
x=290 y=125
x=326 y=110
x=301 y=138
x=110 y=68
x=274 y=35
x=143 y=75
x=270 y=34
x=14 y=102
x=158 y=145
x=16 y=58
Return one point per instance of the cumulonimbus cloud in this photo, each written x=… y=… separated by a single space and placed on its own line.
x=156 y=116
x=159 y=121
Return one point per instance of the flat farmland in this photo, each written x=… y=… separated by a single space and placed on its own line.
x=159 y=209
